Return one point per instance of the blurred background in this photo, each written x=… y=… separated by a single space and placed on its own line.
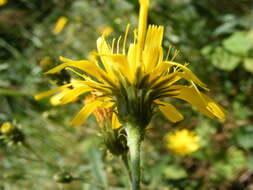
x=215 y=36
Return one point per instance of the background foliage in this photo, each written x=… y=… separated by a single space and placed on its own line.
x=215 y=36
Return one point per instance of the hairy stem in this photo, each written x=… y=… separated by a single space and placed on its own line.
x=134 y=138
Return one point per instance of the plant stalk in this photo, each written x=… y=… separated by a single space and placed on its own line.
x=134 y=138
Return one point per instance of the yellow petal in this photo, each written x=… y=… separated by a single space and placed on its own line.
x=56 y=99
x=84 y=113
x=83 y=65
x=169 y=111
x=64 y=59
x=131 y=57
x=72 y=94
x=115 y=122
x=152 y=48
x=50 y=92
x=217 y=110
x=142 y=26
x=104 y=49
x=125 y=39
x=166 y=80
x=202 y=102
x=160 y=69
x=187 y=74
x=120 y=63
x=98 y=86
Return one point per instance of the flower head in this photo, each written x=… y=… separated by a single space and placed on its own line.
x=133 y=81
x=59 y=25
x=183 y=142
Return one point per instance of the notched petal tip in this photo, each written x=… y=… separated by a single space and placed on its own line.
x=217 y=110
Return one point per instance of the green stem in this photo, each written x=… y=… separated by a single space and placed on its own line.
x=10 y=92
x=134 y=138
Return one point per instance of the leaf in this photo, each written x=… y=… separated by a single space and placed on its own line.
x=239 y=43
x=175 y=172
x=224 y=60
x=225 y=28
x=207 y=50
x=248 y=64
x=228 y=167
x=243 y=136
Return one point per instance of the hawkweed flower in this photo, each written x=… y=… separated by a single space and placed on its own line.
x=3 y=2
x=59 y=25
x=183 y=142
x=133 y=81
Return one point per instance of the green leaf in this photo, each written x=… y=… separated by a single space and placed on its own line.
x=224 y=60
x=175 y=172
x=243 y=136
x=239 y=43
x=207 y=50
x=228 y=167
x=248 y=64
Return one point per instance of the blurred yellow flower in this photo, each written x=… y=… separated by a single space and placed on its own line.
x=183 y=142
x=7 y=128
x=3 y=2
x=59 y=25
x=133 y=81
x=106 y=31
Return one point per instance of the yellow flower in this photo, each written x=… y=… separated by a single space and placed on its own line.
x=133 y=81
x=106 y=31
x=3 y=2
x=59 y=25
x=7 y=128
x=183 y=142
